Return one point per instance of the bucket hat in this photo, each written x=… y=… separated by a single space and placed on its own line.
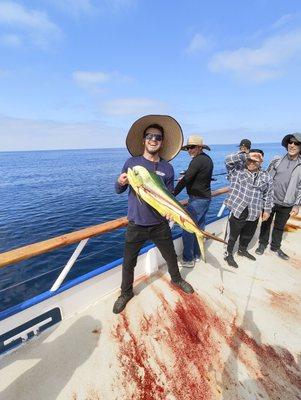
x=173 y=136
x=287 y=138
x=195 y=140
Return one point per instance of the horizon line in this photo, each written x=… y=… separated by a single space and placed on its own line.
x=114 y=148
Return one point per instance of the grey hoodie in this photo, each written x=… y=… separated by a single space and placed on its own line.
x=293 y=193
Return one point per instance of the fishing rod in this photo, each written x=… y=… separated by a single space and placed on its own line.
x=182 y=173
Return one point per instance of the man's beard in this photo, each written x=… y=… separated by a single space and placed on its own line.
x=153 y=151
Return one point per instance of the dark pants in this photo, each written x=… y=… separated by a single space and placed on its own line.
x=241 y=228
x=281 y=214
x=136 y=236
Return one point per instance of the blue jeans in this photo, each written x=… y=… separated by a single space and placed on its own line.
x=197 y=209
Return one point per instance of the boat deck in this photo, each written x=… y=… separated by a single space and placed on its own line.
x=236 y=337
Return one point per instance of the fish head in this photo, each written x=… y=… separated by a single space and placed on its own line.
x=134 y=177
x=141 y=172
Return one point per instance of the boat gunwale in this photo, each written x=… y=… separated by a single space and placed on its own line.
x=35 y=249
x=76 y=281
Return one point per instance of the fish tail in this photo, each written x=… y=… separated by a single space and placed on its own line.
x=200 y=239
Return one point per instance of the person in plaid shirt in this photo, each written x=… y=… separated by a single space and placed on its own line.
x=251 y=191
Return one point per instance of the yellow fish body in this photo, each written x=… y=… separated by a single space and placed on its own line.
x=150 y=188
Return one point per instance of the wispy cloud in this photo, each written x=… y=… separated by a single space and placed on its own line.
x=78 y=8
x=133 y=106
x=30 y=134
x=74 y=8
x=34 y=24
x=265 y=62
x=119 y=5
x=94 y=81
x=11 y=40
x=197 y=43
x=88 y=77
x=4 y=73
x=284 y=20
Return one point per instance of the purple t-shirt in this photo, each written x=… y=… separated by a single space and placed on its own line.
x=140 y=212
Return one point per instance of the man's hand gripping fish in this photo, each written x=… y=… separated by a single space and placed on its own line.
x=151 y=189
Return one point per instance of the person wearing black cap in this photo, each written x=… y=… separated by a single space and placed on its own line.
x=244 y=148
x=245 y=145
x=286 y=174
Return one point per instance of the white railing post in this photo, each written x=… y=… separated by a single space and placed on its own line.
x=69 y=265
x=221 y=210
x=151 y=261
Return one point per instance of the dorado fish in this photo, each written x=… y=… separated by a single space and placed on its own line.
x=150 y=188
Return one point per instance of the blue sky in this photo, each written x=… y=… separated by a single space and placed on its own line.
x=78 y=73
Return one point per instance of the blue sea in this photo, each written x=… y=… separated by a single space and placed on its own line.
x=49 y=193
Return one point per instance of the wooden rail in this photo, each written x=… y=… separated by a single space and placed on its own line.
x=36 y=249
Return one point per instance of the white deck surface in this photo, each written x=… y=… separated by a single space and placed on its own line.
x=237 y=337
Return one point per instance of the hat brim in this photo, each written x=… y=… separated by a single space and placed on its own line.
x=204 y=146
x=286 y=139
x=173 y=136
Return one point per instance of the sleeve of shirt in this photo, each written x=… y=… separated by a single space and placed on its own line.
x=235 y=162
x=119 y=188
x=273 y=162
x=189 y=176
x=170 y=179
x=268 y=195
x=298 y=199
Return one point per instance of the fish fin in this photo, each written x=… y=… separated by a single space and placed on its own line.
x=200 y=239
x=138 y=197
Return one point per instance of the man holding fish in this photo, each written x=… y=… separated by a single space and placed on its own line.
x=153 y=140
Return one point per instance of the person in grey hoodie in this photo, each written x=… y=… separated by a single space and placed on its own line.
x=286 y=174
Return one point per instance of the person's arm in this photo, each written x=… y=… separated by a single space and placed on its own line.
x=170 y=180
x=273 y=163
x=296 y=207
x=268 y=195
x=121 y=184
x=188 y=177
x=235 y=161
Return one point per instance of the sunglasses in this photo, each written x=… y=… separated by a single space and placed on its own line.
x=153 y=136
x=193 y=146
x=295 y=142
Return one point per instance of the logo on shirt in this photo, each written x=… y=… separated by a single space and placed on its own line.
x=160 y=173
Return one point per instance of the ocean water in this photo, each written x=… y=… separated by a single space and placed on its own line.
x=44 y=194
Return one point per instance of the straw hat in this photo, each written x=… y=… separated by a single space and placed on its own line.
x=195 y=140
x=173 y=136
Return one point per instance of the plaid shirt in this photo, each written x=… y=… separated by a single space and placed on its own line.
x=248 y=189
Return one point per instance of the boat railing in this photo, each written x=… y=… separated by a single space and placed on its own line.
x=81 y=237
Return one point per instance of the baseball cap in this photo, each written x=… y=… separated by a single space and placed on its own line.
x=246 y=143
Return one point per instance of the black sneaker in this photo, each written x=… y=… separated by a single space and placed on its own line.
x=183 y=285
x=230 y=261
x=260 y=249
x=245 y=253
x=280 y=253
x=121 y=302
